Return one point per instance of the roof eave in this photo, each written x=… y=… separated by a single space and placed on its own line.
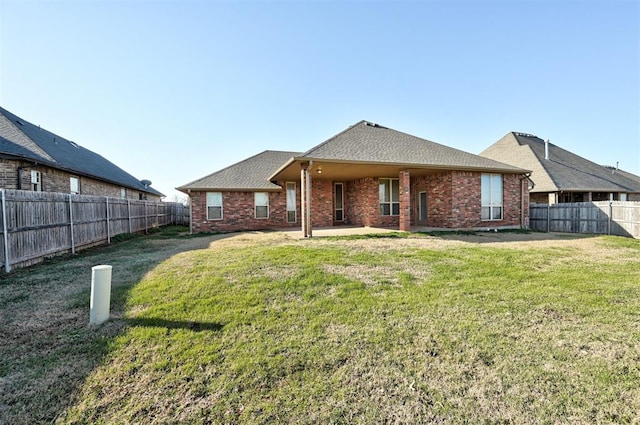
x=508 y=169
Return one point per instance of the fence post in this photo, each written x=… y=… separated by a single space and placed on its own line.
x=548 y=217
x=610 y=217
x=146 y=219
x=129 y=211
x=73 y=242
x=5 y=233
x=108 y=229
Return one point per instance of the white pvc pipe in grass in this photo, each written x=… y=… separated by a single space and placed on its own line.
x=100 y=294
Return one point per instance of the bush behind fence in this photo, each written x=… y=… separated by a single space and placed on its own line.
x=621 y=218
x=36 y=225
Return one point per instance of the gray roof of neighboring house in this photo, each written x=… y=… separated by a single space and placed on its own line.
x=22 y=140
x=248 y=175
x=371 y=143
x=563 y=171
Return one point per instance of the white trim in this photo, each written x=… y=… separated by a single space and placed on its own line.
x=255 y=204
x=295 y=202
x=492 y=203
x=391 y=202
x=214 y=206
x=335 y=192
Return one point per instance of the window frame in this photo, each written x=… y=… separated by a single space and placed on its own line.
x=215 y=205
x=36 y=181
x=294 y=200
x=393 y=212
x=77 y=180
x=256 y=206
x=492 y=205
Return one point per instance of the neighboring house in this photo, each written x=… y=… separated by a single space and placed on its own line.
x=32 y=158
x=367 y=175
x=560 y=176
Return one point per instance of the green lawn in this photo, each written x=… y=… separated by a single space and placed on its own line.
x=417 y=329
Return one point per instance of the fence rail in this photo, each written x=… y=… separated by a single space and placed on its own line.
x=620 y=218
x=36 y=225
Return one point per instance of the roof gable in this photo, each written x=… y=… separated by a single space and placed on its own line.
x=563 y=170
x=366 y=142
x=20 y=138
x=251 y=174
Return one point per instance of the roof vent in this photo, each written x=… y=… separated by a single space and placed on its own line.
x=526 y=135
x=74 y=144
x=19 y=122
x=546 y=149
x=371 y=124
x=146 y=183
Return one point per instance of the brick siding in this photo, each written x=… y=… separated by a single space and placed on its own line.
x=453 y=201
x=53 y=180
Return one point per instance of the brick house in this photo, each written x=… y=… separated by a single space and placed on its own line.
x=32 y=158
x=561 y=176
x=367 y=175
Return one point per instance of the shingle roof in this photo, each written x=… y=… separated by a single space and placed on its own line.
x=21 y=139
x=371 y=143
x=250 y=174
x=563 y=170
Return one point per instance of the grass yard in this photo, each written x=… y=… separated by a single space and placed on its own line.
x=268 y=328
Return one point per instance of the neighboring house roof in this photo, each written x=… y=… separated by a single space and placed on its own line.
x=563 y=171
x=251 y=174
x=22 y=140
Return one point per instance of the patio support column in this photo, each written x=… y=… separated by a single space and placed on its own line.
x=303 y=198
x=405 y=201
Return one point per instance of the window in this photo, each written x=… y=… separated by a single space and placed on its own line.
x=74 y=185
x=261 y=202
x=339 y=201
x=291 y=203
x=389 y=196
x=491 y=197
x=36 y=181
x=123 y=193
x=214 y=205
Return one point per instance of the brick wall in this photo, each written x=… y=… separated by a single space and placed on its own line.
x=362 y=206
x=322 y=203
x=53 y=180
x=453 y=201
x=238 y=212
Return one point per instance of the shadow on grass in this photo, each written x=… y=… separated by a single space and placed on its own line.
x=173 y=324
x=48 y=348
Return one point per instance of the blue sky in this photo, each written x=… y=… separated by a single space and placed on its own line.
x=174 y=90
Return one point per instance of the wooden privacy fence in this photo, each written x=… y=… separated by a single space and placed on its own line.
x=620 y=218
x=36 y=225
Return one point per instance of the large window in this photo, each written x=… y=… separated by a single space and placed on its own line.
x=389 y=196
x=261 y=201
x=291 y=202
x=491 y=197
x=214 y=205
